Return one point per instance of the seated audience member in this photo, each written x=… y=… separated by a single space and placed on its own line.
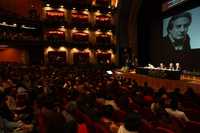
x=131 y=124
x=5 y=111
x=190 y=95
x=123 y=102
x=8 y=126
x=53 y=121
x=158 y=109
x=108 y=119
x=174 y=112
x=7 y=123
x=176 y=94
x=162 y=117
x=110 y=101
x=155 y=106
x=162 y=91
x=68 y=110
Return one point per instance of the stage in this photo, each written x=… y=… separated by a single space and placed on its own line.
x=156 y=83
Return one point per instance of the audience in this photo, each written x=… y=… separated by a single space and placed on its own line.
x=46 y=99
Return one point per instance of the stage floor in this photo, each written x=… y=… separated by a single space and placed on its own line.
x=156 y=83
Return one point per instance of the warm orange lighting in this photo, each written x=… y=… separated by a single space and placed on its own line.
x=62 y=29
x=109 y=33
x=74 y=30
x=62 y=9
x=104 y=35
x=93 y=2
x=87 y=50
x=48 y=8
x=47 y=5
x=85 y=12
x=97 y=13
x=102 y=18
x=110 y=51
x=103 y=52
x=98 y=51
x=80 y=15
x=62 y=48
x=49 y=49
x=114 y=3
x=80 y=33
x=86 y=31
x=56 y=32
x=74 y=50
x=55 y=13
x=98 y=32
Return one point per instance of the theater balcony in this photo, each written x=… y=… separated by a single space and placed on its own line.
x=19 y=30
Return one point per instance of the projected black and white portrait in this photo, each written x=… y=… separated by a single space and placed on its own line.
x=177 y=32
x=180 y=37
x=182 y=30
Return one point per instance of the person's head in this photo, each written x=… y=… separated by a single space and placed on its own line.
x=132 y=121
x=178 y=25
x=174 y=104
x=108 y=111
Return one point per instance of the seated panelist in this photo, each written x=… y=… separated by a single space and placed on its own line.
x=171 y=66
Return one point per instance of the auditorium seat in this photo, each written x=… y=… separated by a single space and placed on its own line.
x=82 y=128
x=192 y=127
x=99 y=128
x=163 y=130
x=193 y=114
x=146 y=127
x=119 y=115
x=94 y=127
x=147 y=114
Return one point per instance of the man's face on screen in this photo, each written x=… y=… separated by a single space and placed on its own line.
x=180 y=28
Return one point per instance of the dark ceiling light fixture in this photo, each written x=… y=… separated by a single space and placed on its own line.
x=28 y=27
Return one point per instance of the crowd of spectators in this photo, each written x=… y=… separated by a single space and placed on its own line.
x=49 y=99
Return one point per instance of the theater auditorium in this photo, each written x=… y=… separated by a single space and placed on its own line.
x=99 y=66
